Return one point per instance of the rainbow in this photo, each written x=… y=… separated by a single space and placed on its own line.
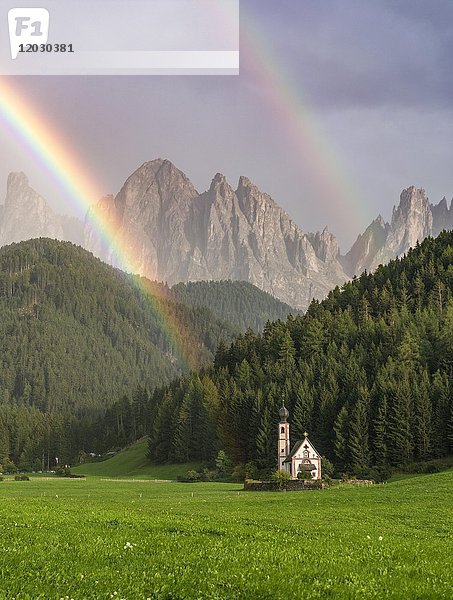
x=52 y=152
x=292 y=111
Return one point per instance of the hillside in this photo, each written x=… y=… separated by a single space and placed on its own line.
x=368 y=372
x=133 y=463
x=76 y=335
x=237 y=302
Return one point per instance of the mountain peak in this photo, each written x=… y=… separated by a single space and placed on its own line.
x=245 y=183
x=411 y=199
x=17 y=180
x=26 y=214
x=219 y=182
x=380 y=221
x=325 y=245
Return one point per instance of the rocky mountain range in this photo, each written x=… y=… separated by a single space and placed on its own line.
x=26 y=215
x=181 y=235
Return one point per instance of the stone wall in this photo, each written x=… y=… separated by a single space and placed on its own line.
x=357 y=482
x=295 y=485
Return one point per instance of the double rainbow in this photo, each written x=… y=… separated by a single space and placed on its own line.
x=53 y=153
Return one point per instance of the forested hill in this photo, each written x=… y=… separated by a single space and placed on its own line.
x=76 y=333
x=368 y=373
x=237 y=302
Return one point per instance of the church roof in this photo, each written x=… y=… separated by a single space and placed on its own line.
x=296 y=447
x=307 y=467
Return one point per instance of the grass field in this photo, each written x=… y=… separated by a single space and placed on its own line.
x=133 y=464
x=101 y=539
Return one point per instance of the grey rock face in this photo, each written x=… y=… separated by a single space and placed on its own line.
x=148 y=217
x=240 y=234
x=26 y=215
x=412 y=220
x=364 y=250
x=325 y=245
x=442 y=216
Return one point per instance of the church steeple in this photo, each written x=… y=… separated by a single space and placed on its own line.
x=283 y=437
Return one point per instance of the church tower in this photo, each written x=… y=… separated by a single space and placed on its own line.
x=283 y=438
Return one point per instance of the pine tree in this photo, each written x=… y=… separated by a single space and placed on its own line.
x=441 y=401
x=341 y=438
x=358 y=432
x=400 y=440
x=380 y=420
x=423 y=425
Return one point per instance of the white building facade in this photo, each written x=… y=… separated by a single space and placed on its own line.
x=302 y=458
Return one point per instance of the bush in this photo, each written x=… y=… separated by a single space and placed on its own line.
x=208 y=475
x=242 y=472
x=239 y=473
x=305 y=475
x=63 y=472
x=192 y=476
x=9 y=466
x=223 y=464
x=1 y=478
x=378 y=474
x=21 y=478
x=281 y=477
x=421 y=468
x=327 y=468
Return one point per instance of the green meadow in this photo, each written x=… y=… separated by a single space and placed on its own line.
x=96 y=539
x=132 y=463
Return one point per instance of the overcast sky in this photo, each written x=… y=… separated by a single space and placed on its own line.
x=340 y=105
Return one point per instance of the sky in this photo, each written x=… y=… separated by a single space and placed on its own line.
x=339 y=105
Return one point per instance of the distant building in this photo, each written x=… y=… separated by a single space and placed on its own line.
x=302 y=457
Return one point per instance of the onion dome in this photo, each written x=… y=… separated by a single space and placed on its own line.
x=284 y=414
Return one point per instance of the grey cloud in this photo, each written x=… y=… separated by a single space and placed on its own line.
x=352 y=53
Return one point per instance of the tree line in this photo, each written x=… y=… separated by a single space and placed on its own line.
x=368 y=373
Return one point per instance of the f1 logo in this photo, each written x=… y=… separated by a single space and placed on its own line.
x=27 y=26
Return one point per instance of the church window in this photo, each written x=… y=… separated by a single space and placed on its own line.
x=305 y=453
x=282 y=430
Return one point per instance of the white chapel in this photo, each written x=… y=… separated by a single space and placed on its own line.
x=302 y=457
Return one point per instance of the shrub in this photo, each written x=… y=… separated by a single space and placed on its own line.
x=305 y=475
x=21 y=478
x=208 y=475
x=223 y=464
x=422 y=468
x=378 y=474
x=281 y=477
x=63 y=472
x=1 y=478
x=327 y=468
x=192 y=476
x=9 y=466
x=242 y=472
x=239 y=473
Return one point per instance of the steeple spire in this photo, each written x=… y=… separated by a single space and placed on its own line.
x=284 y=414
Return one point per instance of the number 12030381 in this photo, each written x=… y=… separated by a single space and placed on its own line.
x=46 y=48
